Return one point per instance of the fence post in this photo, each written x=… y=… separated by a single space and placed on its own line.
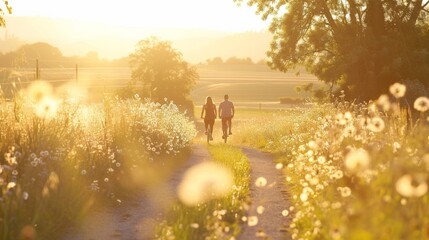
x=77 y=74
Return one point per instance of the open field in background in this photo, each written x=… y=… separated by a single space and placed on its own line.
x=251 y=86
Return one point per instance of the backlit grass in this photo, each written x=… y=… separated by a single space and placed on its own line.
x=218 y=218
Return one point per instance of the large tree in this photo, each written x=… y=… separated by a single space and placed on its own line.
x=161 y=70
x=362 y=46
x=5 y=7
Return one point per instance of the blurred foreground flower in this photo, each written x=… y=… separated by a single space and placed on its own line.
x=38 y=90
x=357 y=160
x=397 y=90
x=204 y=182
x=411 y=186
x=421 y=104
x=46 y=108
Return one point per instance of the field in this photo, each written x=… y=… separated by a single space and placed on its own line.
x=253 y=86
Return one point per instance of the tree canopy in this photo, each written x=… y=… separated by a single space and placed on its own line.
x=161 y=70
x=5 y=7
x=362 y=46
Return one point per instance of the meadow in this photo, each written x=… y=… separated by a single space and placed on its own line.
x=61 y=158
x=251 y=86
x=352 y=171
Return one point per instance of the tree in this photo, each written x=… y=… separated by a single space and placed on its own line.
x=362 y=46
x=5 y=7
x=162 y=71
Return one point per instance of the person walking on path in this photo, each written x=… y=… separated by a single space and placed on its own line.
x=209 y=108
x=226 y=113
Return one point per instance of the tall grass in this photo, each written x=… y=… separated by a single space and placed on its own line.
x=353 y=171
x=60 y=157
x=218 y=218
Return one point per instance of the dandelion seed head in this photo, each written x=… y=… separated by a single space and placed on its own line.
x=260 y=209
x=357 y=160
x=411 y=186
x=285 y=213
x=252 y=221
x=261 y=182
x=46 y=108
x=376 y=124
x=421 y=104
x=398 y=90
x=204 y=182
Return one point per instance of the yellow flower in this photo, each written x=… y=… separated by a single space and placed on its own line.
x=204 y=182
x=421 y=104
x=411 y=186
x=398 y=90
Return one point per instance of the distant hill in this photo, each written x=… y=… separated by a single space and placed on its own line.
x=111 y=42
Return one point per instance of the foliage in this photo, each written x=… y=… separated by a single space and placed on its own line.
x=361 y=46
x=354 y=171
x=218 y=218
x=59 y=157
x=161 y=70
x=5 y=8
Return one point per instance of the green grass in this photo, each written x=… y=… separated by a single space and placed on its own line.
x=217 y=218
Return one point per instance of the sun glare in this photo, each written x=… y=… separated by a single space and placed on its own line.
x=212 y=14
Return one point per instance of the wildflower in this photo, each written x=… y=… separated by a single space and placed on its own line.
x=421 y=104
x=261 y=182
x=10 y=185
x=252 y=221
x=46 y=108
x=83 y=172
x=345 y=191
x=376 y=124
x=321 y=160
x=38 y=90
x=260 y=209
x=25 y=195
x=396 y=147
x=303 y=197
x=384 y=102
x=337 y=174
x=397 y=90
x=285 y=213
x=204 y=182
x=409 y=186
x=357 y=160
x=279 y=166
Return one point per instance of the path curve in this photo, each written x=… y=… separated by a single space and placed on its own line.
x=271 y=223
x=136 y=219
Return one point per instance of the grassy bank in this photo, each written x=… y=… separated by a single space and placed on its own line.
x=60 y=157
x=353 y=171
x=216 y=218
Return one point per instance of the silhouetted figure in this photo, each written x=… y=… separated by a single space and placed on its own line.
x=209 y=108
x=226 y=113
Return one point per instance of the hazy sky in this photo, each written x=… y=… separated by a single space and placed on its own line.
x=211 y=14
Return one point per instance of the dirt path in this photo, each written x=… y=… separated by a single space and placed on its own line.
x=272 y=197
x=136 y=219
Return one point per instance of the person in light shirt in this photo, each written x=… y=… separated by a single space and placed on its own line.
x=226 y=113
